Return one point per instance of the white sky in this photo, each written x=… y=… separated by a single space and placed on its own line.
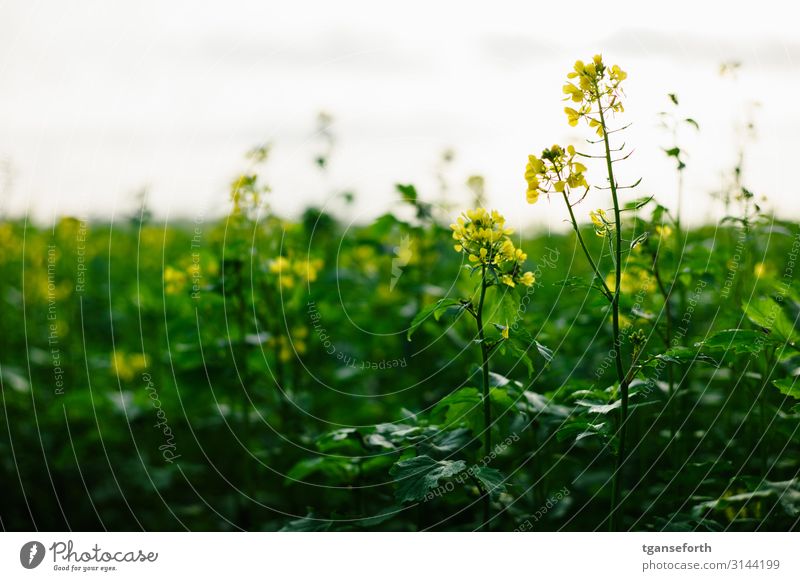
x=98 y=99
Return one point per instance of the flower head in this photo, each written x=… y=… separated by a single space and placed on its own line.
x=594 y=87
x=602 y=225
x=664 y=231
x=555 y=170
x=483 y=237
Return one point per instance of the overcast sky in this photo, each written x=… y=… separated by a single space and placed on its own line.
x=100 y=99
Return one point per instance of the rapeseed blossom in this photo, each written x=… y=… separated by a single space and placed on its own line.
x=593 y=84
x=483 y=237
x=556 y=170
x=292 y=271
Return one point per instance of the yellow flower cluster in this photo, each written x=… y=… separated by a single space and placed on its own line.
x=602 y=225
x=291 y=271
x=288 y=346
x=664 y=231
x=174 y=280
x=554 y=171
x=482 y=236
x=596 y=84
x=633 y=281
x=127 y=366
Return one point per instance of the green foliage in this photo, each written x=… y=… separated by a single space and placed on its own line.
x=416 y=476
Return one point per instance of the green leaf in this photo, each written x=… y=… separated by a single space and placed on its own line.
x=445 y=443
x=502 y=305
x=520 y=350
x=594 y=408
x=436 y=309
x=788 y=386
x=491 y=479
x=462 y=407
x=373 y=521
x=333 y=469
x=345 y=439
x=376 y=440
x=769 y=315
x=737 y=340
x=581 y=429
x=416 y=476
x=501 y=399
x=307 y=524
x=684 y=355
x=408 y=193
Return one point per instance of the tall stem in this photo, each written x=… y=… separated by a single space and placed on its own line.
x=487 y=406
x=586 y=252
x=244 y=517
x=623 y=380
x=667 y=294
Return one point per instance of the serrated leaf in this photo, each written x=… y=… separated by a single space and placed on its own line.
x=502 y=305
x=491 y=479
x=445 y=443
x=416 y=476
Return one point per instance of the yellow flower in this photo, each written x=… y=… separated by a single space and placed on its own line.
x=597 y=86
x=761 y=270
x=632 y=281
x=555 y=171
x=618 y=74
x=602 y=224
x=573 y=92
x=572 y=116
x=125 y=366
x=278 y=265
x=664 y=231
x=527 y=279
x=483 y=237
x=504 y=332
x=290 y=271
x=174 y=280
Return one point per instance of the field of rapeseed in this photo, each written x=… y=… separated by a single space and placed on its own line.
x=433 y=369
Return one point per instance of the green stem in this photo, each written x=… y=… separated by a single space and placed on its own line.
x=245 y=408
x=606 y=290
x=623 y=380
x=667 y=294
x=487 y=406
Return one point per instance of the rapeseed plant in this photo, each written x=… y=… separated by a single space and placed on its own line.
x=596 y=90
